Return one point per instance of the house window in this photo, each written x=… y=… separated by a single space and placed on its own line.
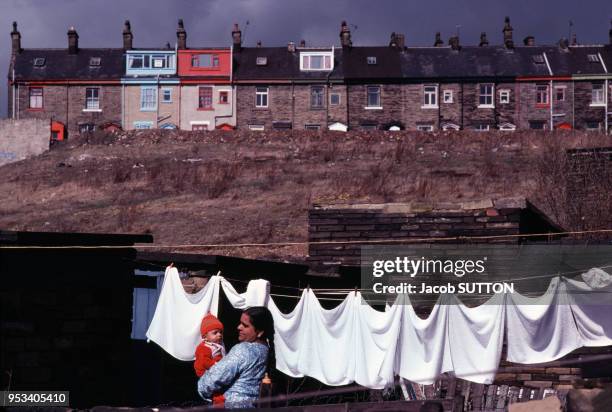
x=316 y=61
x=507 y=127
x=369 y=126
x=334 y=99
x=593 y=126
x=199 y=127
x=136 y=62
x=312 y=126
x=430 y=96
x=542 y=94
x=160 y=61
x=373 y=96
x=485 y=99
x=166 y=95
x=95 y=61
x=504 y=96
x=223 y=97
x=261 y=61
x=148 y=98
x=143 y=125
x=447 y=96
x=593 y=58
x=36 y=98
x=205 y=60
x=538 y=59
x=205 y=97
x=560 y=93
x=425 y=127
x=450 y=126
x=371 y=59
x=316 y=97
x=482 y=127
x=597 y=95
x=256 y=127
x=537 y=124
x=39 y=62
x=87 y=127
x=261 y=97
x=92 y=98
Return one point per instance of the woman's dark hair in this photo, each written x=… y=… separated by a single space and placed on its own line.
x=262 y=321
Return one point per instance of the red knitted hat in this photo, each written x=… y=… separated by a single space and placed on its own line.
x=210 y=322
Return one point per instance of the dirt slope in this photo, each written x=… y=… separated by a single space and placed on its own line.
x=224 y=188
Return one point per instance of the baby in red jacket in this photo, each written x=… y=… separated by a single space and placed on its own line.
x=210 y=350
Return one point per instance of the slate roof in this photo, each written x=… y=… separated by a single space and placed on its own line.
x=281 y=65
x=60 y=65
x=579 y=63
x=388 y=63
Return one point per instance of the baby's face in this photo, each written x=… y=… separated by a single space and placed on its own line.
x=214 y=336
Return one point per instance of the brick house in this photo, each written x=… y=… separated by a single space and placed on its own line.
x=288 y=87
x=77 y=88
x=206 y=95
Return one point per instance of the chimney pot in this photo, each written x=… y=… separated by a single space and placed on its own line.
x=128 y=37
x=73 y=41
x=258 y=43
x=529 y=41
x=483 y=40
x=291 y=47
x=303 y=43
x=564 y=44
x=15 y=40
x=610 y=33
x=574 y=39
x=345 y=35
x=237 y=37
x=438 y=42
x=400 y=41
x=181 y=35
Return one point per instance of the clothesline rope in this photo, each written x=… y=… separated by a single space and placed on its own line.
x=327 y=242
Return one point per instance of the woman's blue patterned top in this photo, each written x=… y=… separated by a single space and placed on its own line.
x=238 y=375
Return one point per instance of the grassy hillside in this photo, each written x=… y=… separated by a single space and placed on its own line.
x=204 y=188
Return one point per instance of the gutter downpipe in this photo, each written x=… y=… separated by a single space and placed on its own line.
x=606 y=94
x=550 y=96
x=14 y=92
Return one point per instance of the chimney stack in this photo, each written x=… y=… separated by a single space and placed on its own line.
x=303 y=44
x=508 y=42
x=237 y=37
x=454 y=43
x=483 y=40
x=127 y=36
x=16 y=40
x=574 y=40
x=181 y=35
x=438 y=42
x=345 y=35
x=73 y=41
x=564 y=44
x=529 y=41
x=258 y=43
x=400 y=41
x=291 y=47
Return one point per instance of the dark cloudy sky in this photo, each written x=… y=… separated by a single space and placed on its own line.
x=43 y=23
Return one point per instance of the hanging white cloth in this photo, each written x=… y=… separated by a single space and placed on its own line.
x=541 y=329
x=349 y=343
x=178 y=315
x=257 y=294
x=591 y=310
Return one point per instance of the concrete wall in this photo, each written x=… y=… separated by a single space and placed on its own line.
x=20 y=139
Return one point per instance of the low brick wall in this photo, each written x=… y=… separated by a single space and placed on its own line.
x=352 y=223
x=20 y=139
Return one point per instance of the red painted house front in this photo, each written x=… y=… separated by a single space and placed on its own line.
x=207 y=96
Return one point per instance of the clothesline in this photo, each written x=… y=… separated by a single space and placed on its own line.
x=379 y=345
x=306 y=243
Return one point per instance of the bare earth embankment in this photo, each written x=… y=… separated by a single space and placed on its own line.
x=227 y=188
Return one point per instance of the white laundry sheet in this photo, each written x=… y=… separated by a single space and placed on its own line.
x=355 y=343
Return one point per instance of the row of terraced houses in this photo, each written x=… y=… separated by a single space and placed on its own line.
x=391 y=87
